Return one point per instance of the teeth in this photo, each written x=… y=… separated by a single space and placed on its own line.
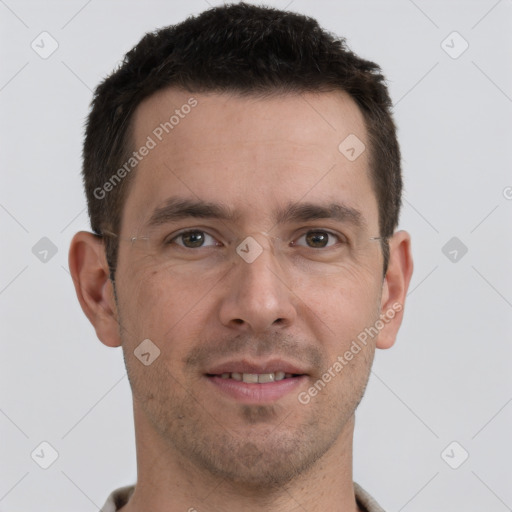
x=257 y=378
x=266 y=377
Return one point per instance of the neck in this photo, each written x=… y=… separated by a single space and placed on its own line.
x=169 y=482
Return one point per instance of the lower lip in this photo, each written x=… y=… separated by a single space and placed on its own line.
x=257 y=393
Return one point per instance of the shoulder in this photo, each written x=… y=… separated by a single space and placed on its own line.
x=365 y=500
x=118 y=498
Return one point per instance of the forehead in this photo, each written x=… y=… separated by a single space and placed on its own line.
x=251 y=154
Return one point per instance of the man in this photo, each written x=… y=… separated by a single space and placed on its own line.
x=243 y=182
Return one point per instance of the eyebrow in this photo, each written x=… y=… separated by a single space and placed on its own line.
x=180 y=208
x=177 y=208
x=310 y=211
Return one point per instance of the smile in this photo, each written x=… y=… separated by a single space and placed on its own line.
x=257 y=378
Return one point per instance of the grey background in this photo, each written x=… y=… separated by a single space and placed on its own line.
x=447 y=378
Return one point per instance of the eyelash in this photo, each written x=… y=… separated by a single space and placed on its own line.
x=341 y=238
x=171 y=240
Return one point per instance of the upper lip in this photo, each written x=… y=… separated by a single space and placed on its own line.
x=245 y=366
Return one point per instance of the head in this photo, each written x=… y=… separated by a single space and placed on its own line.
x=232 y=127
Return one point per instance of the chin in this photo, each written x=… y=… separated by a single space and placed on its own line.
x=264 y=462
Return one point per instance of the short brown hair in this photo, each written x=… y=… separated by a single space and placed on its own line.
x=245 y=49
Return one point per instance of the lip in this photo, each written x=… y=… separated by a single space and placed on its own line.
x=257 y=393
x=245 y=366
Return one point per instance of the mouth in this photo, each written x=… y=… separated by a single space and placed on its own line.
x=256 y=378
x=256 y=383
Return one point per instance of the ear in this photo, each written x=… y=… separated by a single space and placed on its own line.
x=89 y=270
x=394 y=290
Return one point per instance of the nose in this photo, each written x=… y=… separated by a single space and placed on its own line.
x=257 y=296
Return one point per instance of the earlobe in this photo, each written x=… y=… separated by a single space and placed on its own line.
x=394 y=290
x=90 y=273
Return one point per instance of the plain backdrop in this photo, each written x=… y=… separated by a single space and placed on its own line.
x=441 y=394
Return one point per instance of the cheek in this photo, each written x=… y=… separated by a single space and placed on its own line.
x=345 y=283
x=341 y=306
x=163 y=306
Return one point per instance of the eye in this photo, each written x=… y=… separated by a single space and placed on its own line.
x=194 y=239
x=318 y=239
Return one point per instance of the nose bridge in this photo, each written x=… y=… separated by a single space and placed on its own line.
x=258 y=296
x=259 y=259
x=260 y=263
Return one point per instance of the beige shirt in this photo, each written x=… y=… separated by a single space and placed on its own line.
x=120 y=497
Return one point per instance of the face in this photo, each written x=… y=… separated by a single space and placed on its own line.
x=247 y=252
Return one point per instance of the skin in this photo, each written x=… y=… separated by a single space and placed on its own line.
x=197 y=447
